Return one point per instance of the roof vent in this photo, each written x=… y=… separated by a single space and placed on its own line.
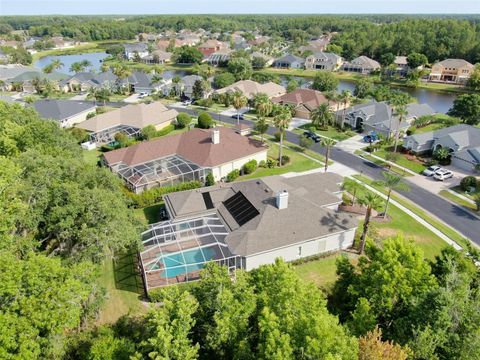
x=281 y=200
x=216 y=136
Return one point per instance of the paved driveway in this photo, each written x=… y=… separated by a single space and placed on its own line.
x=132 y=99
x=297 y=122
x=352 y=144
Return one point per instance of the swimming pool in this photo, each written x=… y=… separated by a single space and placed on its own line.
x=193 y=261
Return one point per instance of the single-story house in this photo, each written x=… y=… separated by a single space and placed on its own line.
x=323 y=61
x=243 y=225
x=25 y=81
x=66 y=112
x=184 y=157
x=219 y=57
x=250 y=88
x=380 y=117
x=304 y=101
x=258 y=54
x=289 y=62
x=463 y=142
x=130 y=120
x=451 y=70
x=85 y=81
x=157 y=57
x=361 y=65
x=136 y=49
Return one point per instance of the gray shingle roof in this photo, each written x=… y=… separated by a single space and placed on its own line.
x=305 y=218
x=462 y=134
x=61 y=109
x=290 y=59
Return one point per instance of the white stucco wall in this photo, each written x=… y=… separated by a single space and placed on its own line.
x=300 y=250
x=69 y=122
x=223 y=170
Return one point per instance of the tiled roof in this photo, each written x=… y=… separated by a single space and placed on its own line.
x=311 y=99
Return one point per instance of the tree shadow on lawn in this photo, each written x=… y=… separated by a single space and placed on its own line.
x=127 y=273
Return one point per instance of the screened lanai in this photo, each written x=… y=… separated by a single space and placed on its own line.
x=169 y=170
x=107 y=136
x=176 y=252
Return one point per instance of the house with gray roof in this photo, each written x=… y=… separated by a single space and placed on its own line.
x=25 y=80
x=185 y=86
x=323 y=61
x=362 y=65
x=132 y=50
x=380 y=117
x=66 y=112
x=462 y=141
x=289 y=62
x=244 y=225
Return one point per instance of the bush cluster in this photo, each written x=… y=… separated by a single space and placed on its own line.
x=152 y=196
x=468 y=182
x=250 y=167
x=232 y=175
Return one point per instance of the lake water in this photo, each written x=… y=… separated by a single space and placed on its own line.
x=439 y=101
x=94 y=58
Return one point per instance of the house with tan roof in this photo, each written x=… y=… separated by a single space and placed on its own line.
x=211 y=46
x=246 y=224
x=362 y=65
x=323 y=61
x=305 y=101
x=130 y=120
x=184 y=157
x=452 y=71
x=250 y=88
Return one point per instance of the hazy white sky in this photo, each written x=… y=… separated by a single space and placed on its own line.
x=41 y=7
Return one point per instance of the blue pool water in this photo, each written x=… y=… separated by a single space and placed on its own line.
x=192 y=257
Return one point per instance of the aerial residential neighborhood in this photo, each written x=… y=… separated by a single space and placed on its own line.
x=264 y=182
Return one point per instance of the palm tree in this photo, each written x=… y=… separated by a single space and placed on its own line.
x=92 y=93
x=56 y=64
x=352 y=187
x=398 y=102
x=322 y=116
x=48 y=69
x=327 y=143
x=263 y=105
x=103 y=95
x=370 y=201
x=282 y=121
x=76 y=67
x=239 y=102
x=122 y=72
x=401 y=112
x=391 y=182
x=176 y=80
x=86 y=64
x=261 y=127
x=104 y=68
x=345 y=98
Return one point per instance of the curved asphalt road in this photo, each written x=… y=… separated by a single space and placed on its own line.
x=451 y=214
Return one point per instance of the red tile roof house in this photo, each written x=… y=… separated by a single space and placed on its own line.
x=184 y=157
x=211 y=46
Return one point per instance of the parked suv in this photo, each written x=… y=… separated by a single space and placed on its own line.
x=310 y=134
x=431 y=170
x=442 y=174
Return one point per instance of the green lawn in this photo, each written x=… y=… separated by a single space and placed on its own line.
x=150 y=213
x=298 y=163
x=91 y=156
x=395 y=169
x=332 y=132
x=124 y=289
x=469 y=195
x=80 y=49
x=458 y=200
x=448 y=231
x=403 y=161
x=321 y=272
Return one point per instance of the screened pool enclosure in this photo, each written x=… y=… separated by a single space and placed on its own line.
x=169 y=170
x=175 y=252
x=107 y=136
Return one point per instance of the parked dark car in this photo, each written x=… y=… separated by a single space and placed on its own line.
x=310 y=134
x=240 y=117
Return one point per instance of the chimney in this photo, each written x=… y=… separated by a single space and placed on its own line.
x=216 y=136
x=281 y=199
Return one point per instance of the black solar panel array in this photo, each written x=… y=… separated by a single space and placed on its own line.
x=208 y=200
x=240 y=208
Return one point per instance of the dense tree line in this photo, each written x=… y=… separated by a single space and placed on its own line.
x=437 y=37
x=393 y=305
x=60 y=218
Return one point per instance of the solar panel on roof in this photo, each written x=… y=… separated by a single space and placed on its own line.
x=208 y=200
x=240 y=208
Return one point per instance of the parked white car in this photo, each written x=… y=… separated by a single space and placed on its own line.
x=142 y=95
x=442 y=174
x=431 y=170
